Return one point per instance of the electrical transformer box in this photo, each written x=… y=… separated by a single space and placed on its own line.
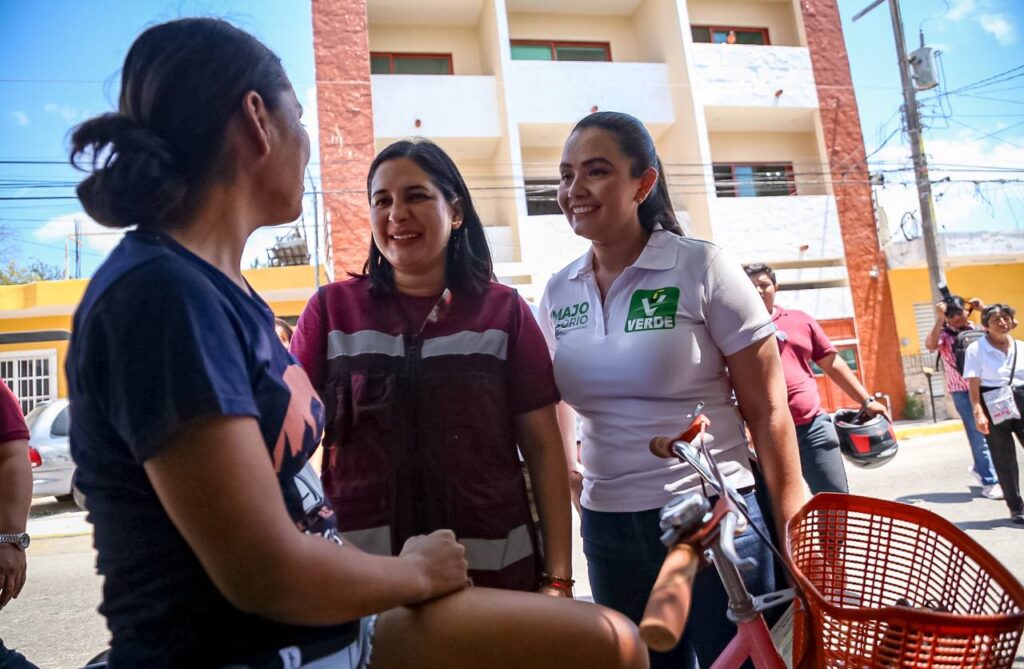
x=923 y=68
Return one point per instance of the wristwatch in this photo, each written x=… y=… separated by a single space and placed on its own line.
x=868 y=400
x=20 y=540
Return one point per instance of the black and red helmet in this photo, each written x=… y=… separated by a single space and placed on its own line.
x=867 y=444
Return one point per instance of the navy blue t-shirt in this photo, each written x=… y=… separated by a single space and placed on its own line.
x=160 y=339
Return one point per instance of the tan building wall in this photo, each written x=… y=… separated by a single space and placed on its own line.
x=618 y=31
x=462 y=43
x=798 y=148
x=777 y=17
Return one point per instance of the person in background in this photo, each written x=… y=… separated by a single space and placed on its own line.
x=995 y=377
x=802 y=341
x=283 y=330
x=191 y=425
x=951 y=318
x=15 y=498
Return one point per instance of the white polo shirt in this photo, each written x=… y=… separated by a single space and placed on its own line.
x=635 y=366
x=984 y=361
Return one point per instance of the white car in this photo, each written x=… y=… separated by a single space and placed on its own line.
x=53 y=470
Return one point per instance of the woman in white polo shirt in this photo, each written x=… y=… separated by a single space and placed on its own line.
x=995 y=380
x=642 y=327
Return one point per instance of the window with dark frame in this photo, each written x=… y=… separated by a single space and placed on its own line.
x=754 y=179
x=410 y=63
x=542 y=197
x=524 y=49
x=720 y=35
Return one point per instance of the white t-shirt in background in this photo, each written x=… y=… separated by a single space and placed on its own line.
x=984 y=361
x=635 y=367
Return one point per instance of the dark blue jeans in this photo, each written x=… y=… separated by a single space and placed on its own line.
x=624 y=554
x=12 y=659
x=979 y=446
x=821 y=461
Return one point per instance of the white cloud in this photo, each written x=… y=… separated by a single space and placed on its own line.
x=961 y=9
x=999 y=27
x=20 y=117
x=94 y=236
x=997 y=24
x=66 y=112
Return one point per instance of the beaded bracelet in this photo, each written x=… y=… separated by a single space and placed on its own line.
x=556 y=582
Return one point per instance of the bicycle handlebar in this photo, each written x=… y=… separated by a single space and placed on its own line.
x=662 y=447
x=669 y=603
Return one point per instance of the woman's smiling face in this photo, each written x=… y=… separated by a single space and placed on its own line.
x=410 y=218
x=597 y=191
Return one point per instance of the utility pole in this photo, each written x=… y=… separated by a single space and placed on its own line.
x=913 y=125
x=316 y=233
x=78 y=249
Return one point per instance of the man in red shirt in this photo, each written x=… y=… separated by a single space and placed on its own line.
x=15 y=497
x=801 y=341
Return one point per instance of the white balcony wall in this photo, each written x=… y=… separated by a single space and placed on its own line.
x=749 y=76
x=542 y=92
x=773 y=229
x=445 y=106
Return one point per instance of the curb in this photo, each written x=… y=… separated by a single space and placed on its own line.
x=927 y=429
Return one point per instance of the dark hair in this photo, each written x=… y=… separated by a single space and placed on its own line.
x=468 y=264
x=153 y=159
x=284 y=325
x=755 y=268
x=994 y=310
x=638 y=145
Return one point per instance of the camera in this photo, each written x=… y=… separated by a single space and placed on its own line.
x=954 y=303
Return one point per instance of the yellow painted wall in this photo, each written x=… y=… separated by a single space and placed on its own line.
x=799 y=148
x=992 y=283
x=618 y=31
x=461 y=42
x=41 y=294
x=777 y=17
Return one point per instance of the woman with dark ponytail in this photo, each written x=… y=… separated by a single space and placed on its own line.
x=642 y=327
x=192 y=425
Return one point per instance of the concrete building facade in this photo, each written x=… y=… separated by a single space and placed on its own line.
x=750 y=103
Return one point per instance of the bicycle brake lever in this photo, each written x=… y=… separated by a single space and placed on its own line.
x=727 y=540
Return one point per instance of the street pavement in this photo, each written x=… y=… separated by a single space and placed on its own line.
x=56 y=625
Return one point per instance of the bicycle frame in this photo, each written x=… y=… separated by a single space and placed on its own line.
x=713 y=536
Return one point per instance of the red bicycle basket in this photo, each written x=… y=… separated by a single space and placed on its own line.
x=892 y=585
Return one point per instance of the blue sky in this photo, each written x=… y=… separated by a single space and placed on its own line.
x=59 y=62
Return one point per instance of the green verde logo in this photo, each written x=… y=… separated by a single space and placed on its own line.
x=652 y=310
x=571 y=317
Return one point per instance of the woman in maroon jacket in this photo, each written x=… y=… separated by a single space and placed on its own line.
x=433 y=373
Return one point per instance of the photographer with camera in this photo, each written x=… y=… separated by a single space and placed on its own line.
x=949 y=339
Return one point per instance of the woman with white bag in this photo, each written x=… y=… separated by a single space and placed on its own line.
x=995 y=377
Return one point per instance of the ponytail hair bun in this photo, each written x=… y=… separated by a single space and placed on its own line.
x=135 y=177
x=152 y=162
